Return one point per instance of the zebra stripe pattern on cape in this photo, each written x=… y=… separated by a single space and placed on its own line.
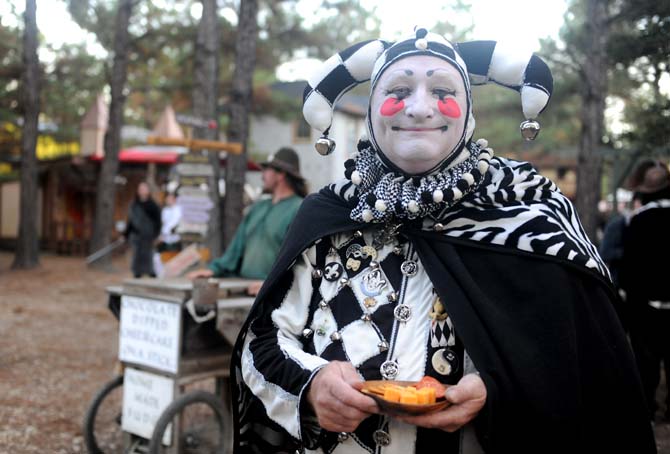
x=517 y=208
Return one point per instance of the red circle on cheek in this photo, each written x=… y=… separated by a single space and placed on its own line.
x=449 y=108
x=391 y=107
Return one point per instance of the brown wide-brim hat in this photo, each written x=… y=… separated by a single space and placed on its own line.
x=655 y=179
x=285 y=160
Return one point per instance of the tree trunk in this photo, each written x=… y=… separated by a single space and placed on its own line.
x=103 y=220
x=27 y=247
x=594 y=91
x=205 y=101
x=240 y=105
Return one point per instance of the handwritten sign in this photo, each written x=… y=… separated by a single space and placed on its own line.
x=145 y=397
x=149 y=333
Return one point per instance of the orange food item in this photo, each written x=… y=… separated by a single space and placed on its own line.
x=430 y=382
x=426 y=395
x=425 y=392
x=408 y=396
x=392 y=393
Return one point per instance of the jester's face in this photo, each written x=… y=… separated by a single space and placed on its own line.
x=418 y=110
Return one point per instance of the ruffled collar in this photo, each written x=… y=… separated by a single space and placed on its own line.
x=384 y=195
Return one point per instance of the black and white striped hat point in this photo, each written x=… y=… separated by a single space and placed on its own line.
x=479 y=63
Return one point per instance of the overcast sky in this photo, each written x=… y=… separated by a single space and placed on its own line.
x=520 y=22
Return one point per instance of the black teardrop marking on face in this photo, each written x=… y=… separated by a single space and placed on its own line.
x=409 y=72
x=430 y=72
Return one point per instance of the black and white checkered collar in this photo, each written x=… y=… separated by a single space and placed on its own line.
x=384 y=195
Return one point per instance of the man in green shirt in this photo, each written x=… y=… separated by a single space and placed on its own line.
x=256 y=244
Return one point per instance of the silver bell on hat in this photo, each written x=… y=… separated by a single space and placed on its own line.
x=325 y=145
x=529 y=129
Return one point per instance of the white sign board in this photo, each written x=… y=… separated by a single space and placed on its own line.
x=145 y=397
x=149 y=333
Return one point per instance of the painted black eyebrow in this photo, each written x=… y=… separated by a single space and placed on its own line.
x=430 y=72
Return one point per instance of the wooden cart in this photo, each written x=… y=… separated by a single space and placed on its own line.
x=173 y=333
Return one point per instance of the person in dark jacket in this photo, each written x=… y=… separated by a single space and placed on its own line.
x=142 y=229
x=644 y=276
x=434 y=258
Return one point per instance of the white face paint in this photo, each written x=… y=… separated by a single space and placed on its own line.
x=417 y=112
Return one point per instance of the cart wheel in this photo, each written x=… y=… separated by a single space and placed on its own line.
x=202 y=429
x=102 y=422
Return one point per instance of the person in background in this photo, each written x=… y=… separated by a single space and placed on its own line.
x=142 y=229
x=170 y=241
x=255 y=246
x=644 y=276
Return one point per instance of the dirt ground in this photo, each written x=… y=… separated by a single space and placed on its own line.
x=58 y=345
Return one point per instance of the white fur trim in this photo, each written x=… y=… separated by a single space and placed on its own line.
x=457 y=193
x=438 y=196
x=421 y=44
x=483 y=143
x=483 y=166
x=469 y=178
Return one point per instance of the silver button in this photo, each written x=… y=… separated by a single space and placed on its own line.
x=381 y=437
x=402 y=312
x=316 y=273
x=323 y=305
x=366 y=317
x=307 y=332
x=392 y=297
x=344 y=281
x=438 y=227
x=409 y=268
x=374 y=264
x=336 y=336
x=342 y=437
x=389 y=369
x=383 y=346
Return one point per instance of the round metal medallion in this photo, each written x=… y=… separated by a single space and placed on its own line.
x=381 y=437
x=342 y=437
x=389 y=369
x=402 y=312
x=444 y=361
x=333 y=271
x=409 y=268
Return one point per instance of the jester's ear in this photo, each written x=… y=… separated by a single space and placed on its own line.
x=337 y=75
x=524 y=72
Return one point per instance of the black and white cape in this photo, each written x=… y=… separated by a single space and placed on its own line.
x=528 y=303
